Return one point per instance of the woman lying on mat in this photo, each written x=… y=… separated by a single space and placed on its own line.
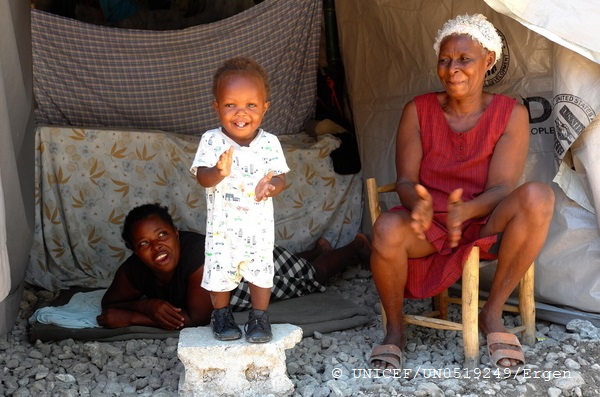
x=159 y=285
x=459 y=156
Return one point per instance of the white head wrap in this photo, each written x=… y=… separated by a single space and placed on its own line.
x=477 y=26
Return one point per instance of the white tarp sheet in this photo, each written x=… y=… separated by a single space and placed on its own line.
x=16 y=156
x=4 y=263
x=573 y=25
x=387 y=52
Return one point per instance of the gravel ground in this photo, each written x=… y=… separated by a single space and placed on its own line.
x=564 y=362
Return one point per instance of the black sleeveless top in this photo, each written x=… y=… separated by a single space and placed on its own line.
x=175 y=292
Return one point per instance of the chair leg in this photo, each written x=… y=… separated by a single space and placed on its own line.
x=527 y=306
x=470 y=308
x=440 y=303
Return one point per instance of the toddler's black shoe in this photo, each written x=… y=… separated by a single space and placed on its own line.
x=224 y=326
x=258 y=327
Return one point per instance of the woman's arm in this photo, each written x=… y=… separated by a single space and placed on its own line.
x=409 y=153
x=198 y=301
x=506 y=166
x=122 y=305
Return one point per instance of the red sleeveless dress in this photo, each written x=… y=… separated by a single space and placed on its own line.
x=452 y=160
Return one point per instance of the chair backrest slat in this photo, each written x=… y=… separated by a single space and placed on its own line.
x=373 y=192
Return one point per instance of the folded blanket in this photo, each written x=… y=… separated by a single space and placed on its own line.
x=321 y=312
x=80 y=312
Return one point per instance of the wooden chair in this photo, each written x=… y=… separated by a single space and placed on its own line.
x=469 y=299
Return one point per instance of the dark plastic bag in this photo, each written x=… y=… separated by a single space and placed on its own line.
x=346 y=158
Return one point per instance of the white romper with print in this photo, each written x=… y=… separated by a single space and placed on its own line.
x=240 y=232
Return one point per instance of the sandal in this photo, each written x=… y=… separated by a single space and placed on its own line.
x=497 y=354
x=389 y=354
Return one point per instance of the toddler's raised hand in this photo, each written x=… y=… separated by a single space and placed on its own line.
x=224 y=163
x=264 y=187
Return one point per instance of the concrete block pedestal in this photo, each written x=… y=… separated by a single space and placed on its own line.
x=235 y=368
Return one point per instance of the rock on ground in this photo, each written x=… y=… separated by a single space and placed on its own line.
x=564 y=362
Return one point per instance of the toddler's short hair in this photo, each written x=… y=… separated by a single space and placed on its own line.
x=240 y=65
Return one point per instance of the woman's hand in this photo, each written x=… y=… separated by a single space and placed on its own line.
x=114 y=318
x=163 y=313
x=455 y=217
x=422 y=213
x=264 y=188
x=156 y=312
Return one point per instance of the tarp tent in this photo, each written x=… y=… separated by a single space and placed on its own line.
x=551 y=63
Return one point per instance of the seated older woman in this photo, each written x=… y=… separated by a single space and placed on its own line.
x=159 y=284
x=459 y=156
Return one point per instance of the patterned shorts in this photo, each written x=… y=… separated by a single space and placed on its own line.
x=294 y=277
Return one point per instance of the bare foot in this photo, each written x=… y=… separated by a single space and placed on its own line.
x=489 y=323
x=330 y=261
x=322 y=245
